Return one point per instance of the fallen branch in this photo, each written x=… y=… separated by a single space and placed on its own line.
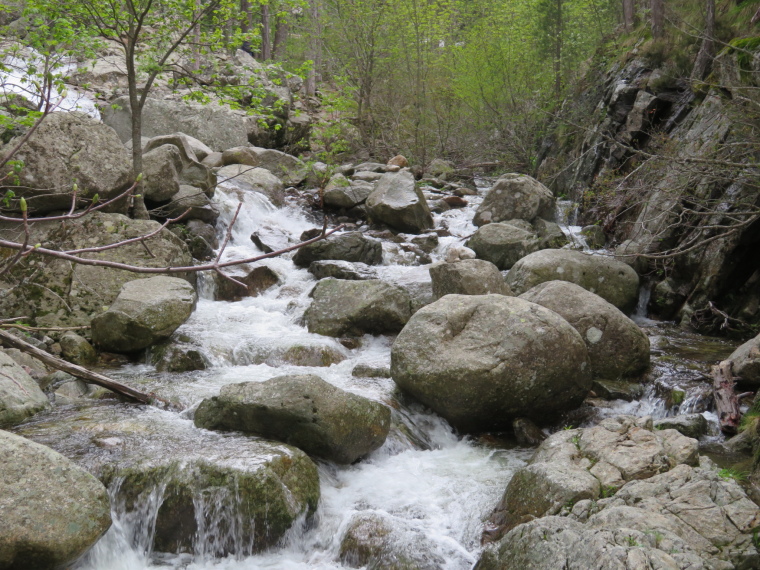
x=83 y=374
x=726 y=401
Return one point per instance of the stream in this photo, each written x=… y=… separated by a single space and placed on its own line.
x=425 y=477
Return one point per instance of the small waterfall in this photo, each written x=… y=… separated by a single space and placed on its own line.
x=640 y=313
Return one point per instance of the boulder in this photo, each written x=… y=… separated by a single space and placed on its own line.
x=256 y=281
x=398 y=160
x=254 y=179
x=176 y=357
x=612 y=280
x=617 y=347
x=690 y=425
x=304 y=411
x=594 y=235
x=59 y=293
x=366 y=176
x=190 y=170
x=467 y=277
x=161 y=168
x=146 y=311
x=515 y=196
x=482 y=360
x=342 y=270
x=439 y=168
x=746 y=361
x=191 y=200
x=353 y=308
x=340 y=192
x=351 y=246
x=69 y=148
x=76 y=349
x=51 y=511
x=397 y=202
x=527 y=433
x=291 y=170
x=666 y=298
x=20 y=396
x=503 y=244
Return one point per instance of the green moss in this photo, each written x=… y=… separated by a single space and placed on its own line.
x=744 y=48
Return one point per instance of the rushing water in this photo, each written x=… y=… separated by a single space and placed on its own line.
x=425 y=479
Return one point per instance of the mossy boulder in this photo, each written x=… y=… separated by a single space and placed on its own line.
x=304 y=411
x=397 y=202
x=351 y=246
x=503 y=244
x=20 y=396
x=516 y=196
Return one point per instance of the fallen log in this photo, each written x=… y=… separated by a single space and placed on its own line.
x=726 y=400
x=84 y=374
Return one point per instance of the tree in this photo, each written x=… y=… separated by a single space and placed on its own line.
x=707 y=50
x=657 y=10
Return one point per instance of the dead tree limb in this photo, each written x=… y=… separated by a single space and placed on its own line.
x=726 y=401
x=83 y=374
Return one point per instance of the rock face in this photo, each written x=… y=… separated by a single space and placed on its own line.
x=746 y=361
x=481 y=361
x=515 y=196
x=352 y=246
x=59 y=293
x=291 y=170
x=146 y=311
x=467 y=277
x=256 y=180
x=304 y=411
x=51 y=511
x=20 y=396
x=612 y=280
x=354 y=308
x=397 y=202
x=617 y=347
x=70 y=148
x=621 y=495
x=503 y=244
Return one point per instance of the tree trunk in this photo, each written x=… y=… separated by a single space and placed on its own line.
x=196 y=64
x=706 y=53
x=558 y=52
x=245 y=24
x=281 y=30
x=137 y=207
x=629 y=11
x=726 y=402
x=266 y=43
x=657 y=8
x=315 y=52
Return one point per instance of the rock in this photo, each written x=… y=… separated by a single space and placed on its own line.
x=352 y=246
x=256 y=280
x=189 y=168
x=397 y=202
x=426 y=242
x=527 y=433
x=20 y=396
x=193 y=201
x=76 y=349
x=399 y=160
x=550 y=234
x=439 y=168
x=353 y=308
x=366 y=371
x=176 y=357
x=254 y=179
x=690 y=425
x=69 y=148
x=746 y=361
x=264 y=487
x=467 y=277
x=342 y=193
x=291 y=170
x=503 y=244
x=370 y=167
x=376 y=541
x=218 y=127
x=366 y=177
x=617 y=390
x=666 y=298
x=33 y=366
x=458 y=253
x=161 y=168
x=71 y=391
x=146 y=311
x=342 y=270
x=612 y=280
x=515 y=196
x=213 y=160
x=304 y=411
x=594 y=235
x=617 y=347
x=52 y=511
x=60 y=293
x=482 y=360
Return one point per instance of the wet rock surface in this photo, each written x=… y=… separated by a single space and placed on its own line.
x=20 y=396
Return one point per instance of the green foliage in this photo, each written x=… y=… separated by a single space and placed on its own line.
x=608 y=491
x=731 y=473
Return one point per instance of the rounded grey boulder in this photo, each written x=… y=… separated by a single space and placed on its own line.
x=20 y=396
x=397 y=202
x=503 y=244
x=746 y=361
x=352 y=246
x=516 y=196
x=612 y=280
x=304 y=411
x=353 y=308
x=146 y=311
x=467 y=277
x=617 y=347
x=51 y=511
x=482 y=360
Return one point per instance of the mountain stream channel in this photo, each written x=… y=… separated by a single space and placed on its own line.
x=426 y=478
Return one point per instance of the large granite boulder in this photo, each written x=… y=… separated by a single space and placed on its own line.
x=746 y=361
x=20 y=396
x=193 y=201
x=161 y=168
x=55 y=292
x=254 y=179
x=397 y=202
x=51 y=511
x=340 y=192
x=617 y=347
x=654 y=504
x=503 y=244
x=291 y=170
x=354 y=308
x=304 y=411
x=467 y=277
x=516 y=196
x=482 y=360
x=69 y=148
x=612 y=280
x=174 y=159
x=146 y=311
x=352 y=246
